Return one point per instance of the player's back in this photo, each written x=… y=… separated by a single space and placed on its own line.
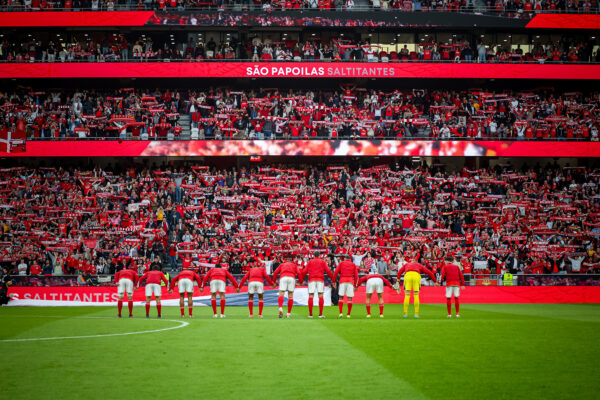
x=154 y=277
x=218 y=274
x=416 y=267
x=125 y=274
x=186 y=274
x=347 y=270
x=288 y=269
x=413 y=266
x=371 y=276
x=452 y=273
x=315 y=269
x=256 y=274
x=366 y=278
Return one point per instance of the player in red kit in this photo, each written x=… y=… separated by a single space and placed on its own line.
x=185 y=282
x=218 y=276
x=454 y=278
x=125 y=280
x=153 y=279
x=412 y=284
x=375 y=283
x=256 y=277
x=316 y=269
x=288 y=272
x=348 y=272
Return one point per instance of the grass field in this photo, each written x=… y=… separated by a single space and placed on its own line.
x=495 y=351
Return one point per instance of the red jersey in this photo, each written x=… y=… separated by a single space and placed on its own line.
x=416 y=267
x=367 y=277
x=467 y=266
x=287 y=269
x=219 y=274
x=453 y=275
x=348 y=272
x=186 y=274
x=316 y=269
x=469 y=237
x=154 y=277
x=126 y=274
x=257 y=274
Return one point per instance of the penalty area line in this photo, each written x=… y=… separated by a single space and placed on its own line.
x=182 y=324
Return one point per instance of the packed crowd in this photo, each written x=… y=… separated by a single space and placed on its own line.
x=119 y=47
x=532 y=6
x=346 y=112
x=83 y=114
x=536 y=220
x=510 y=7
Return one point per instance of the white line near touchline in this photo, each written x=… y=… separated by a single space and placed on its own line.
x=182 y=324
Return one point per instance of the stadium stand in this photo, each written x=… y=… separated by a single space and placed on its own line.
x=348 y=112
x=533 y=220
x=105 y=47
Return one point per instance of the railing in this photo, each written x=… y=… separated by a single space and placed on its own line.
x=471 y=280
x=71 y=280
x=58 y=280
x=561 y=279
x=280 y=137
x=558 y=280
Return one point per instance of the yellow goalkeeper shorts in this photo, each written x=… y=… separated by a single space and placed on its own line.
x=412 y=281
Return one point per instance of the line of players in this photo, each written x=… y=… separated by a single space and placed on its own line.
x=288 y=272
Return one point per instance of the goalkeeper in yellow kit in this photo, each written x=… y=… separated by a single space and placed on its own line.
x=412 y=283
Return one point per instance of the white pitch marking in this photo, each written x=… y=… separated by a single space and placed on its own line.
x=182 y=324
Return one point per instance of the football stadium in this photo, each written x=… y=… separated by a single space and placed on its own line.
x=300 y=199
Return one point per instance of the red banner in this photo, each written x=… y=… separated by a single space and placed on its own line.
x=183 y=148
x=70 y=296
x=140 y=18
x=73 y=18
x=298 y=70
x=499 y=294
x=565 y=21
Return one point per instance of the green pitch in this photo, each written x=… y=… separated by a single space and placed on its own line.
x=494 y=351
